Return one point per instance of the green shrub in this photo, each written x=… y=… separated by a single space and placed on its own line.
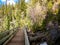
x=35 y=27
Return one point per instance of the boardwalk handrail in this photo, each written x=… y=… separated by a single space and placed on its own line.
x=7 y=34
x=26 y=37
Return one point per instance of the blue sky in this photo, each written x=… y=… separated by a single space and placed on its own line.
x=10 y=1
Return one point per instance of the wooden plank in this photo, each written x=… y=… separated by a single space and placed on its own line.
x=18 y=39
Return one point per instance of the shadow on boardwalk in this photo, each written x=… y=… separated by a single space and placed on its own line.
x=18 y=39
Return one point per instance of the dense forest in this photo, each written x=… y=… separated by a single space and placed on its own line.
x=37 y=15
x=34 y=13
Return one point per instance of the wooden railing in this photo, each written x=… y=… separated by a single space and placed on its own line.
x=26 y=37
x=4 y=36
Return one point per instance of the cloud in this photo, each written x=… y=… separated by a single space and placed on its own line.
x=26 y=0
x=9 y=2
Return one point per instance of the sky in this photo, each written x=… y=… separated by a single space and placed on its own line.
x=9 y=2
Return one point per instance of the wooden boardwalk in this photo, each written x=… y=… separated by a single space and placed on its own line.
x=18 y=39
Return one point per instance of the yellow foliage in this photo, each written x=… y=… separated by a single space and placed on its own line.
x=24 y=22
x=49 y=5
x=56 y=11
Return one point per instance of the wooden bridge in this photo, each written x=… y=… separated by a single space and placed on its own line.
x=12 y=37
x=18 y=39
x=15 y=36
